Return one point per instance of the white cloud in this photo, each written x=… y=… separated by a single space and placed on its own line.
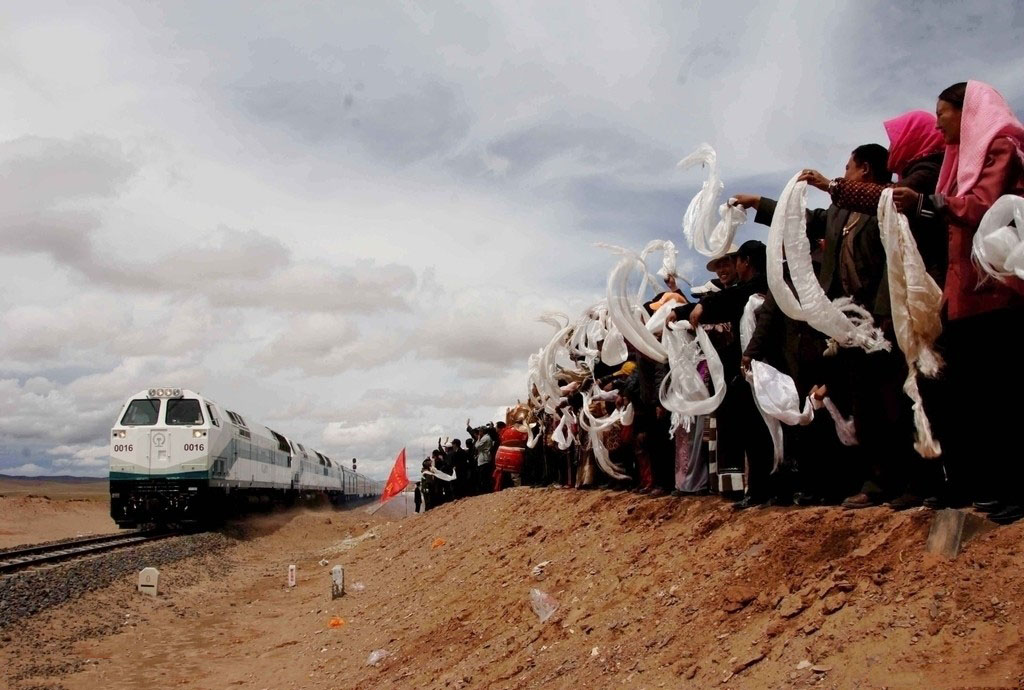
x=30 y=413
x=491 y=326
x=80 y=412
x=101 y=329
x=53 y=188
x=345 y=218
x=361 y=437
x=81 y=458
x=30 y=469
x=324 y=345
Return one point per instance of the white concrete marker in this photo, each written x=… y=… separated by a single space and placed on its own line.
x=148 y=579
x=291 y=576
x=337 y=582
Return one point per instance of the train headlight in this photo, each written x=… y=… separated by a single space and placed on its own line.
x=119 y=434
x=198 y=433
x=165 y=392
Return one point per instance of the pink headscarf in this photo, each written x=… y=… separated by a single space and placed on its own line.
x=911 y=136
x=986 y=115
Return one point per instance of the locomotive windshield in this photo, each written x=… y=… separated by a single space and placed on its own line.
x=184 y=412
x=141 y=413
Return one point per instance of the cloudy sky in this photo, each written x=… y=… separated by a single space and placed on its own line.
x=343 y=218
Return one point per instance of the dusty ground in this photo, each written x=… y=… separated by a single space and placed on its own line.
x=651 y=593
x=37 y=510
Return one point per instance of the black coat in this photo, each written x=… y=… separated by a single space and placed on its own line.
x=727 y=306
x=868 y=253
x=791 y=346
x=931 y=236
x=432 y=495
x=930 y=233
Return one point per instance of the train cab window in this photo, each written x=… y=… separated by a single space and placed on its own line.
x=236 y=419
x=184 y=412
x=141 y=413
x=282 y=442
x=213 y=417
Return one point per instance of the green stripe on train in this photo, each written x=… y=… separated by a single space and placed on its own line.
x=136 y=476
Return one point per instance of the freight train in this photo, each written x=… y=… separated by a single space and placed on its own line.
x=177 y=457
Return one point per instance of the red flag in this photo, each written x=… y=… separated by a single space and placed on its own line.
x=397 y=480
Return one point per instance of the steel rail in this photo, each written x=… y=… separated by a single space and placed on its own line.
x=31 y=556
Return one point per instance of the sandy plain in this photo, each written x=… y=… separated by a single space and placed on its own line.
x=39 y=510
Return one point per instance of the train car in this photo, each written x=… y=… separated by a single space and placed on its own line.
x=179 y=457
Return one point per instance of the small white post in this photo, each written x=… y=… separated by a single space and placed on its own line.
x=148 y=580
x=291 y=576
x=337 y=582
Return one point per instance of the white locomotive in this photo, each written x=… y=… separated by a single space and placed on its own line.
x=176 y=456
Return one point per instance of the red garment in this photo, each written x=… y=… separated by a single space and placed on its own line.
x=986 y=116
x=511 y=453
x=497 y=476
x=644 y=468
x=513 y=437
x=911 y=136
x=509 y=459
x=985 y=165
x=965 y=291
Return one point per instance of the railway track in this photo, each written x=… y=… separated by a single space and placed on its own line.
x=45 y=554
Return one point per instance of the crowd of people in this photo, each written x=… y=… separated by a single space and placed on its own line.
x=949 y=167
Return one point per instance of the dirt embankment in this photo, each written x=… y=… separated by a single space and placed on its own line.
x=651 y=593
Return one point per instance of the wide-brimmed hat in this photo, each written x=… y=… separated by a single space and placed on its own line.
x=731 y=254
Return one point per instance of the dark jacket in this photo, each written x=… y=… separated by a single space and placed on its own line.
x=431 y=491
x=463 y=464
x=728 y=304
x=727 y=307
x=641 y=388
x=791 y=346
x=868 y=253
x=921 y=175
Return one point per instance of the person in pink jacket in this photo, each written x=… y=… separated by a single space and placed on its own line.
x=983 y=161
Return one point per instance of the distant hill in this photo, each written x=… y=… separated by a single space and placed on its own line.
x=63 y=478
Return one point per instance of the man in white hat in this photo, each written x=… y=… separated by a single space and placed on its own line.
x=725 y=267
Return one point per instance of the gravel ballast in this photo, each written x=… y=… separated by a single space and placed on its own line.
x=27 y=593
